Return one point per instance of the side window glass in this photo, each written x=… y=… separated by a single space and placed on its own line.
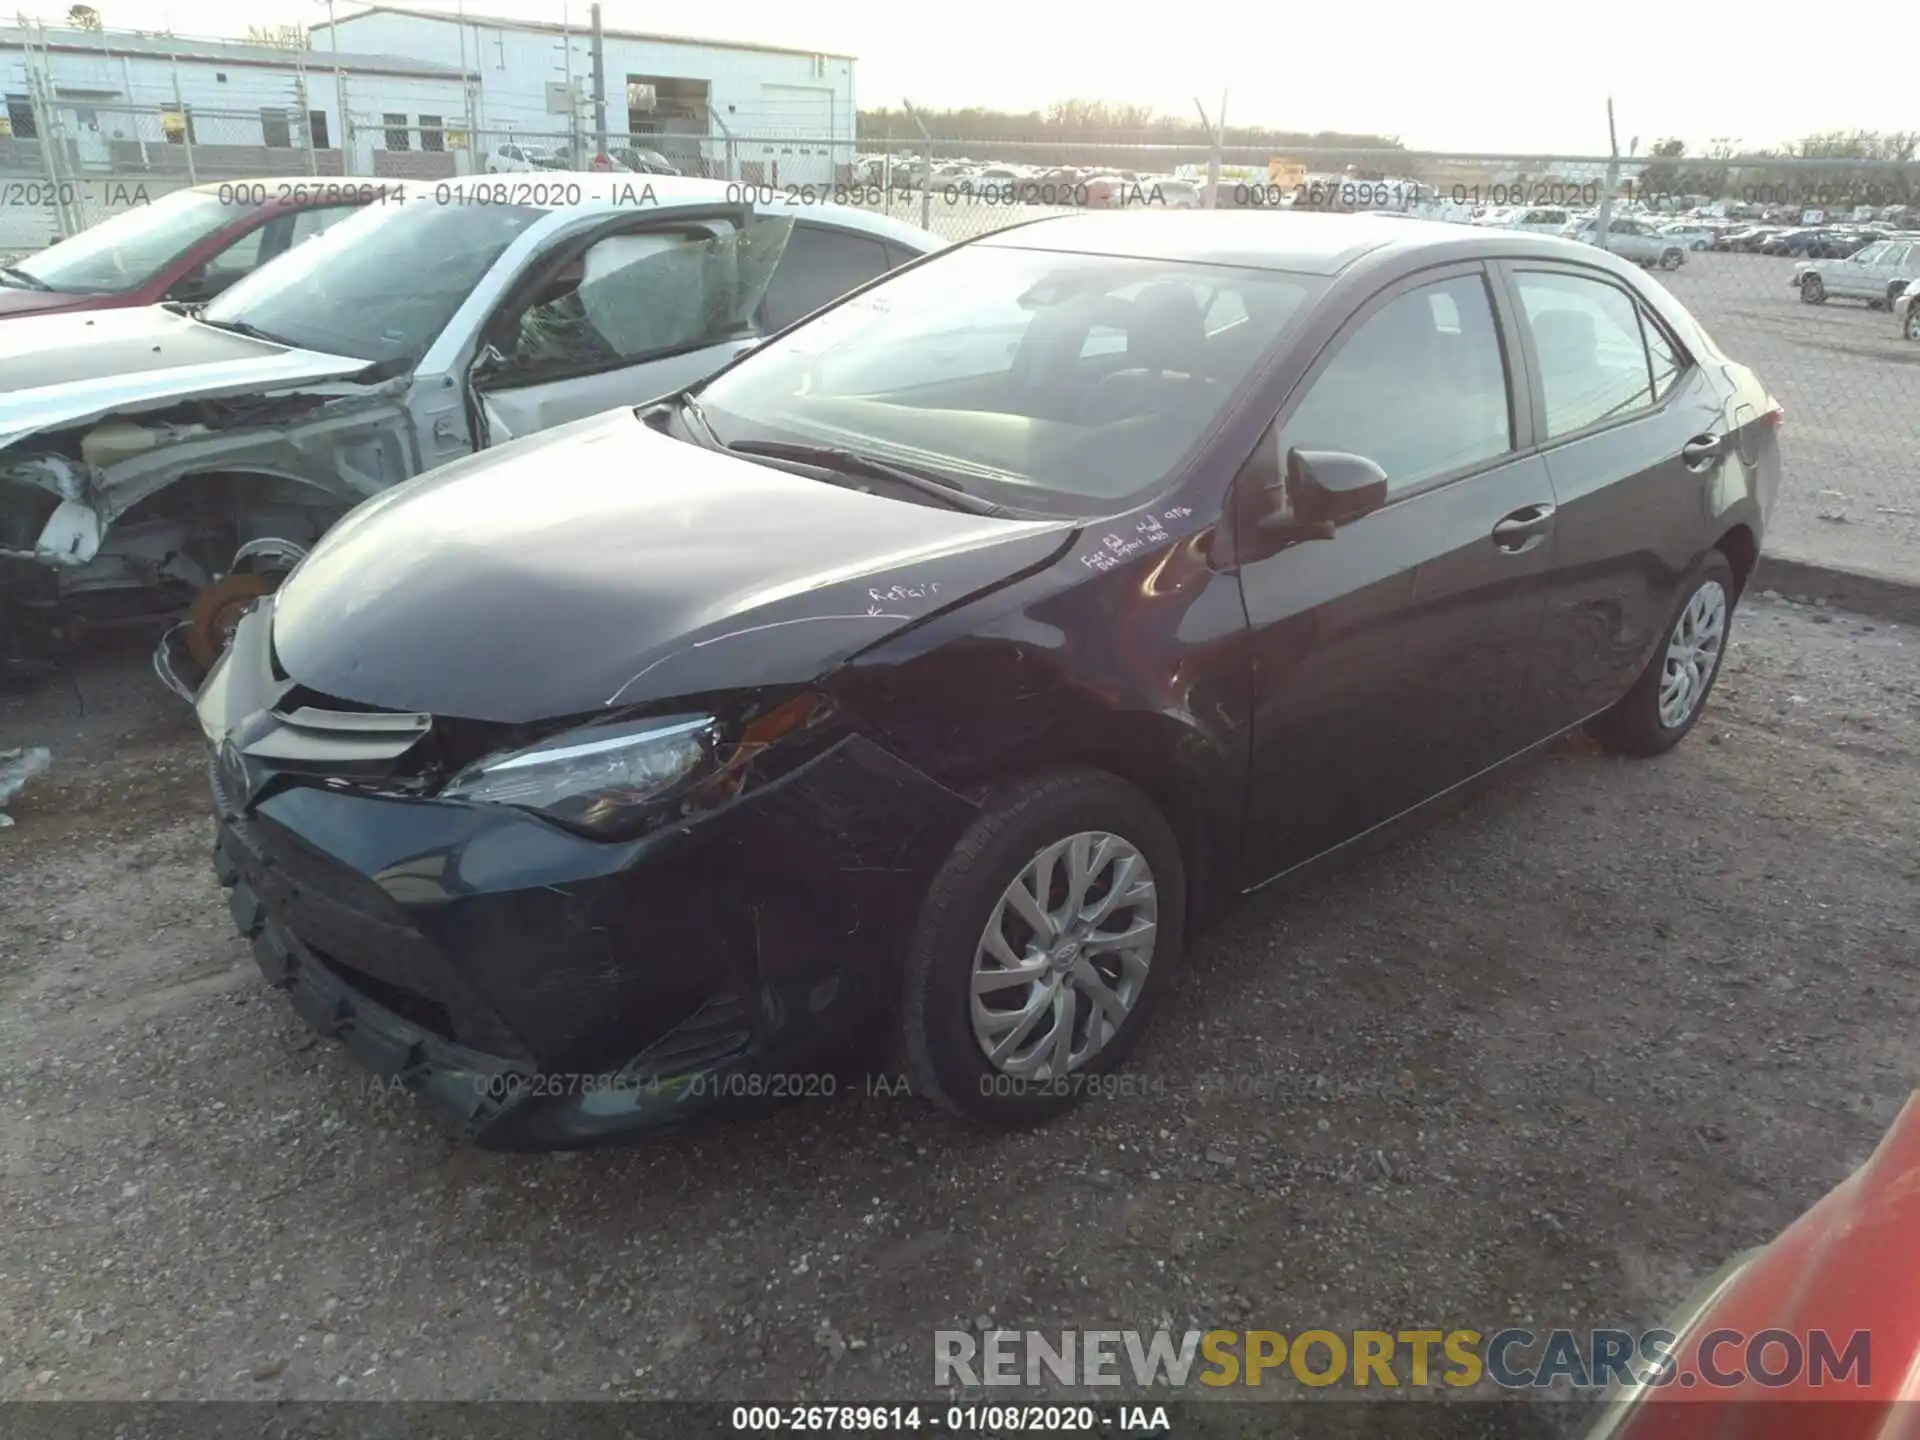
x=1226 y=310
x=635 y=296
x=1420 y=388
x=819 y=266
x=239 y=258
x=1665 y=359
x=312 y=221
x=1593 y=362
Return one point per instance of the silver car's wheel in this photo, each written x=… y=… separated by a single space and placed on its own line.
x=1910 y=327
x=1064 y=956
x=1693 y=654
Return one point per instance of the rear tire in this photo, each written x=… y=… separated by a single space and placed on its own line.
x=958 y=992
x=1672 y=259
x=1668 y=698
x=1910 y=327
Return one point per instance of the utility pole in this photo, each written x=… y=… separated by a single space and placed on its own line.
x=466 y=89
x=339 y=89
x=1217 y=134
x=599 y=85
x=573 y=100
x=1605 y=215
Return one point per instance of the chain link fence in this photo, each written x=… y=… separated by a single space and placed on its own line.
x=1730 y=238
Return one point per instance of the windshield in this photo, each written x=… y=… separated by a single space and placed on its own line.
x=379 y=286
x=1064 y=383
x=130 y=249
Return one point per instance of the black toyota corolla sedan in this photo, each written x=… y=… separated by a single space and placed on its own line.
x=945 y=660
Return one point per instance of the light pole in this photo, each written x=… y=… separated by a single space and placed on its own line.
x=339 y=87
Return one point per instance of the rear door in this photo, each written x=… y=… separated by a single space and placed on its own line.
x=1388 y=659
x=819 y=265
x=1633 y=433
x=1896 y=268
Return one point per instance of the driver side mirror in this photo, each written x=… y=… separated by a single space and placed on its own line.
x=1322 y=490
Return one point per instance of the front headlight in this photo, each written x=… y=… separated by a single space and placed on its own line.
x=602 y=778
x=614 y=780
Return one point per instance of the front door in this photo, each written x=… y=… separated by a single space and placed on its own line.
x=1856 y=276
x=624 y=318
x=1387 y=660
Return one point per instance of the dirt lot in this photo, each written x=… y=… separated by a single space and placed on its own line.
x=1548 y=1060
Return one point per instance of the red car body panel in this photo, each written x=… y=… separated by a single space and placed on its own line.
x=1850 y=1264
x=248 y=217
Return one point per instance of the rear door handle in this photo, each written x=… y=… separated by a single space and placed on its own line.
x=1523 y=529
x=1701 y=451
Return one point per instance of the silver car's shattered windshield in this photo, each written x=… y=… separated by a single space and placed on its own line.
x=380 y=286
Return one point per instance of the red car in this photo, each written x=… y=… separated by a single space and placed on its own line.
x=187 y=246
x=1815 y=1336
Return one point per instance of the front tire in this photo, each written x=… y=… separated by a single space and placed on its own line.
x=1672 y=259
x=1045 y=941
x=1666 y=701
x=1813 y=289
x=1910 y=327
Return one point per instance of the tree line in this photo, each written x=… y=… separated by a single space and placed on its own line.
x=1082 y=123
x=1725 y=168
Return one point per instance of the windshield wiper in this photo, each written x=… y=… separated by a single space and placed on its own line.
x=22 y=278
x=242 y=327
x=851 y=462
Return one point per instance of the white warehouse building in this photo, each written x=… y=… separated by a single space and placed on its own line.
x=135 y=104
x=751 y=111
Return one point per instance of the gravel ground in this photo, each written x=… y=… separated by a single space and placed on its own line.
x=1549 y=1059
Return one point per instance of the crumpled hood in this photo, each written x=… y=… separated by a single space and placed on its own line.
x=67 y=369
x=602 y=563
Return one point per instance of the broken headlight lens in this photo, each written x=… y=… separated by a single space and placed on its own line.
x=602 y=779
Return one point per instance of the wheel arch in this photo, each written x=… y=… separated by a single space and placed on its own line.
x=1742 y=550
x=1171 y=762
x=218 y=494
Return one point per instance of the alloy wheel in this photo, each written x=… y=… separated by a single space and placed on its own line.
x=1064 y=956
x=1693 y=654
x=1912 y=326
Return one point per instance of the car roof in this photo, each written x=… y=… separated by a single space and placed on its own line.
x=1303 y=242
x=619 y=192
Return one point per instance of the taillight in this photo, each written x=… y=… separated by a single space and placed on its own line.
x=1775 y=417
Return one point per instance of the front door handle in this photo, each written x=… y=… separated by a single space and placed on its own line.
x=1701 y=451
x=1523 y=529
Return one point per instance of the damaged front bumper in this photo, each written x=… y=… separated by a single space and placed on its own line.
x=542 y=989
